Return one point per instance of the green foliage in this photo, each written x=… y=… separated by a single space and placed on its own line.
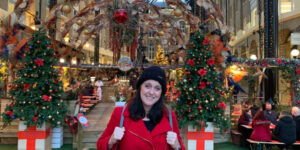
x=201 y=97
x=36 y=93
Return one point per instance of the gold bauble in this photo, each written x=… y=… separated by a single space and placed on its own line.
x=79 y=22
x=43 y=107
x=53 y=119
x=22 y=110
x=57 y=112
x=167 y=25
x=206 y=101
x=177 y=12
x=66 y=9
x=34 y=66
x=86 y=31
x=93 y=36
x=161 y=33
x=49 y=116
x=58 y=122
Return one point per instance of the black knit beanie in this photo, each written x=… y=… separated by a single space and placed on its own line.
x=153 y=73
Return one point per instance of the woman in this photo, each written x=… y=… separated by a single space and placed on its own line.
x=261 y=127
x=146 y=119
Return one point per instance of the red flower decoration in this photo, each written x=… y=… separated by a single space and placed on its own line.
x=202 y=85
x=34 y=119
x=11 y=87
x=210 y=62
x=278 y=61
x=205 y=41
x=222 y=105
x=39 y=62
x=202 y=123
x=26 y=87
x=298 y=71
x=12 y=104
x=10 y=113
x=46 y=98
x=202 y=72
x=264 y=63
x=191 y=62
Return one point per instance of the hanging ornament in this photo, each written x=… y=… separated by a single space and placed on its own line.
x=121 y=16
x=161 y=33
x=79 y=22
x=66 y=9
x=177 y=12
x=167 y=25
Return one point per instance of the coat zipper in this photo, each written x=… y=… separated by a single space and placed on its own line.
x=142 y=138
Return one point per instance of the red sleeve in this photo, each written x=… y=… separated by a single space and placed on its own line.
x=176 y=130
x=102 y=143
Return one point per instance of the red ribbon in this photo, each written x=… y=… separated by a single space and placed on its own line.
x=200 y=137
x=31 y=135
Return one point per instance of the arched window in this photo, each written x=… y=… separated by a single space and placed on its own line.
x=150 y=50
x=286 y=6
x=182 y=26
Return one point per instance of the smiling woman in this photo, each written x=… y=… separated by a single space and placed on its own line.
x=148 y=124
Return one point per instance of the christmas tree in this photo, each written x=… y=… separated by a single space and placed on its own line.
x=36 y=93
x=159 y=58
x=200 y=95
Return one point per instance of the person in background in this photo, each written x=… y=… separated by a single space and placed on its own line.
x=296 y=116
x=285 y=130
x=99 y=85
x=270 y=114
x=254 y=109
x=261 y=127
x=146 y=119
x=245 y=120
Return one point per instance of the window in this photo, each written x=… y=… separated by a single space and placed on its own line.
x=253 y=17
x=150 y=34
x=285 y=6
x=151 y=50
x=182 y=26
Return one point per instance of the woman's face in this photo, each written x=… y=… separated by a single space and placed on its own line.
x=150 y=92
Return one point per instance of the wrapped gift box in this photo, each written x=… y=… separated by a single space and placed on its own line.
x=33 y=137
x=57 y=137
x=203 y=140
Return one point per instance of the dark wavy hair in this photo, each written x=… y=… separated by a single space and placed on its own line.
x=260 y=116
x=137 y=111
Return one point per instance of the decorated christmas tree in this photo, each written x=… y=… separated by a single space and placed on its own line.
x=200 y=95
x=159 y=58
x=36 y=93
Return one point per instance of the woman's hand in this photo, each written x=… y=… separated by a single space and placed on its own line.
x=116 y=136
x=173 y=140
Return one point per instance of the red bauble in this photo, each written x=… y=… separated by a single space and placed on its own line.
x=199 y=107
x=191 y=103
x=121 y=16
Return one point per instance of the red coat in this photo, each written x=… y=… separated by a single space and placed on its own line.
x=261 y=132
x=136 y=136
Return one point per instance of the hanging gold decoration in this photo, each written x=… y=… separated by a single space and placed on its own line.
x=177 y=12
x=66 y=9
